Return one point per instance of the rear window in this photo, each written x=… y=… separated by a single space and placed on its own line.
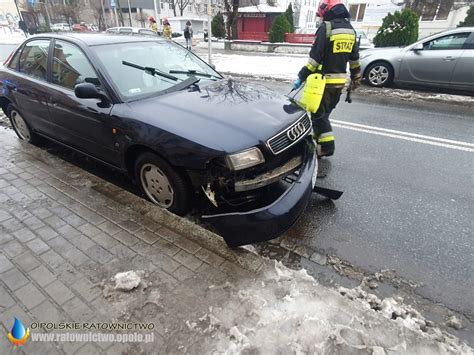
x=14 y=60
x=34 y=59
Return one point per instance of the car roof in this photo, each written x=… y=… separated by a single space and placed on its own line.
x=95 y=39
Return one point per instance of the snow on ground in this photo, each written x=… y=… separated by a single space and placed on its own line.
x=288 y=312
x=7 y=37
x=274 y=66
x=128 y=280
x=286 y=67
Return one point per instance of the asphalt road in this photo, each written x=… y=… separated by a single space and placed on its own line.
x=408 y=199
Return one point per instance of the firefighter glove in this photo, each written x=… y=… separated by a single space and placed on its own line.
x=296 y=84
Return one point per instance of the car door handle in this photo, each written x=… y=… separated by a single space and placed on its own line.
x=448 y=59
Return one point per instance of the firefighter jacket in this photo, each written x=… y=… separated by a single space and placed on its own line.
x=334 y=46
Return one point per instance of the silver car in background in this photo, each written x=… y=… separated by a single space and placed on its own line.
x=131 y=31
x=443 y=60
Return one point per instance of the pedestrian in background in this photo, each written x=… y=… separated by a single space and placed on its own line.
x=167 y=32
x=334 y=46
x=188 y=34
x=153 y=24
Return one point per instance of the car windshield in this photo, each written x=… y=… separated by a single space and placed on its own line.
x=163 y=56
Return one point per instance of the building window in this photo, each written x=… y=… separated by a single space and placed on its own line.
x=437 y=11
x=357 y=12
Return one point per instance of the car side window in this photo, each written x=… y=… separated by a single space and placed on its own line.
x=15 y=59
x=71 y=67
x=453 y=41
x=470 y=43
x=34 y=58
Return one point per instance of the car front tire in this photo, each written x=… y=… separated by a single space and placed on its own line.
x=20 y=126
x=379 y=74
x=162 y=184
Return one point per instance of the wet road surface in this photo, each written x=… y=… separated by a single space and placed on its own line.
x=406 y=172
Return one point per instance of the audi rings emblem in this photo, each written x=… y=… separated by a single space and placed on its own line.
x=296 y=131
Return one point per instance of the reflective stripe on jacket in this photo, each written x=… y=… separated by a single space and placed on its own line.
x=334 y=46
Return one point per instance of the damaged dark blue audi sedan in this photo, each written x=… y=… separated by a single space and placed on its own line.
x=154 y=110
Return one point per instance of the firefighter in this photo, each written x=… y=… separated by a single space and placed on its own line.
x=153 y=24
x=334 y=46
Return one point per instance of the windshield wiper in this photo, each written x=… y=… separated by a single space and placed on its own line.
x=150 y=70
x=194 y=72
x=181 y=85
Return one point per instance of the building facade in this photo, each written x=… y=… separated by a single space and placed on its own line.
x=177 y=12
x=367 y=15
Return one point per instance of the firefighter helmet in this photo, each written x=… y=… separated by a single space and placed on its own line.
x=151 y=19
x=326 y=5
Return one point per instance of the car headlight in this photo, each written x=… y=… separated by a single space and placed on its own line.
x=245 y=159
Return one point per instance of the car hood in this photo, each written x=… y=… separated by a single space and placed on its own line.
x=227 y=115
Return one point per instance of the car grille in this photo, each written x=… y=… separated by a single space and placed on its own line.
x=290 y=135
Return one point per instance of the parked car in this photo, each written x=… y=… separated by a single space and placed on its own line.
x=131 y=30
x=61 y=27
x=93 y=28
x=364 y=41
x=442 y=60
x=80 y=27
x=148 y=107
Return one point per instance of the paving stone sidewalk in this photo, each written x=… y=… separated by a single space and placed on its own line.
x=64 y=233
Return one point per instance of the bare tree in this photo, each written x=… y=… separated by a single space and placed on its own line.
x=96 y=8
x=182 y=5
x=141 y=17
x=297 y=12
x=173 y=4
x=232 y=9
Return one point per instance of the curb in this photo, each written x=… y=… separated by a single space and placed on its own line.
x=141 y=211
x=402 y=95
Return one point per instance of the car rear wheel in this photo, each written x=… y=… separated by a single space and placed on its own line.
x=162 y=184
x=20 y=126
x=379 y=74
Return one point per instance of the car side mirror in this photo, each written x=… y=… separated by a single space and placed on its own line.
x=418 y=47
x=213 y=66
x=90 y=91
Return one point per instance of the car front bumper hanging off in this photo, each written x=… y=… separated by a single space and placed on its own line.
x=258 y=225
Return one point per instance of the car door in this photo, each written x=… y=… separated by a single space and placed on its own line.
x=463 y=76
x=80 y=123
x=436 y=62
x=27 y=75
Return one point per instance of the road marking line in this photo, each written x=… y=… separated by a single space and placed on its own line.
x=401 y=133
x=418 y=140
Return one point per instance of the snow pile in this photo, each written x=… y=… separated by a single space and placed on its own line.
x=410 y=95
x=275 y=66
x=128 y=280
x=287 y=312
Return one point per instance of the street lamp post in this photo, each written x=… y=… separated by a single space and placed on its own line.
x=130 y=13
x=103 y=13
x=157 y=6
x=209 y=31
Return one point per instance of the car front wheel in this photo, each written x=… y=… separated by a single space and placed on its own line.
x=162 y=184
x=379 y=74
x=21 y=128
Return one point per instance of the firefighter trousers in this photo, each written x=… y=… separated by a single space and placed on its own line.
x=321 y=126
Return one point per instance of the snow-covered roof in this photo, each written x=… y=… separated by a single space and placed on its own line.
x=261 y=8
